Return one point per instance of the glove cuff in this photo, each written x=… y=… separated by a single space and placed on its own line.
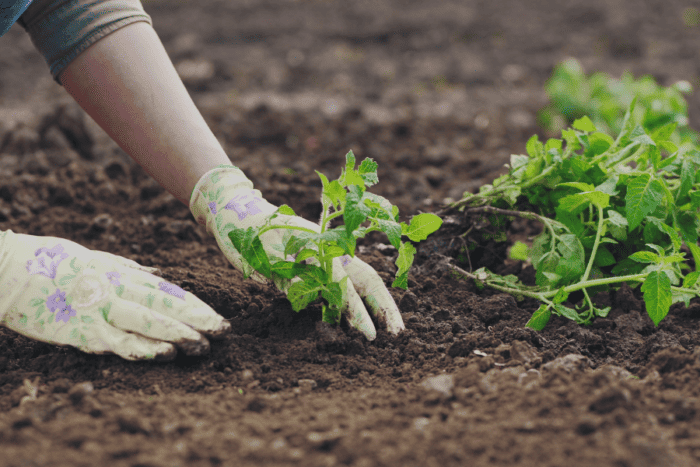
x=208 y=193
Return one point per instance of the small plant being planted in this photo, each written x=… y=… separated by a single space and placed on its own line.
x=306 y=255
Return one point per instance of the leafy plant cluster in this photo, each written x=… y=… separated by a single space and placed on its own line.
x=604 y=99
x=313 y=251
x=614 y=210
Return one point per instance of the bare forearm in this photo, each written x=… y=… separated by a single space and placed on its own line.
x=128 y=85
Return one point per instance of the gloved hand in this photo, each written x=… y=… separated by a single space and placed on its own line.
x=57 y=291
x=224 y=195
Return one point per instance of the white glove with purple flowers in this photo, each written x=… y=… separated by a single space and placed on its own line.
x=225 y=196
x=57 y=291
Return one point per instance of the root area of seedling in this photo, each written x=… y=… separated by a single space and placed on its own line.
x=439 y=97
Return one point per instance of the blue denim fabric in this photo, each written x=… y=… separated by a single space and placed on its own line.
x=63 y=29
x=10 y=10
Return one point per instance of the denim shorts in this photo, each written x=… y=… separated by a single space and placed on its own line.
x=62 y=29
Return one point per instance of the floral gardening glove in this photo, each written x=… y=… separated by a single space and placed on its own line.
x=57 y=291
x=224 y=196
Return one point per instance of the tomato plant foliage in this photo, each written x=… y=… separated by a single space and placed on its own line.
x=614 y=209
x=308 y=256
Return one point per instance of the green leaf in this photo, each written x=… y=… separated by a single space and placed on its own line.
x=534 y=147
x=301 y=293
x=333 y=251
x=691 y=279
x=579 y=186
x=657 y=295
x=571 y=265
x=567 y=312
x=335 y=293
x=86 y=319
x=645 y=257
x=644 y=194
x=355 y=212
x=305 y=254
x=286 y=210
x=423 y=225
x=287 y=269
x=36 y=302
x=368 y=171
x=404 y=261
x=687 y=179
x=392 y=230
x=617 y=225
x=603 y=257
x=119 y=290
x=519 y=251
x=248 y=244
x=539 y=318
x=603 y=312
x=335 y=193
x=561 y=296
x=584 y=124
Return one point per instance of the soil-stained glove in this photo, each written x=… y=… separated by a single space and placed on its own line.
x=57 y=291
x=224 y=195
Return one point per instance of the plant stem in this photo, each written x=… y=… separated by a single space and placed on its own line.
x=595 y=244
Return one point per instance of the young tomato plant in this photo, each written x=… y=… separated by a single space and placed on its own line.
x=614 y=210
x=604 y=99
x=312 y=252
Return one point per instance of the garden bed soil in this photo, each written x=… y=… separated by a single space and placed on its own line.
x=440 y=95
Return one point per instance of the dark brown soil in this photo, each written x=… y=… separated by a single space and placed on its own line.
x=439 y=94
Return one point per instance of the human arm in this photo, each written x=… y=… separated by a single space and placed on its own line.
x=128 y=85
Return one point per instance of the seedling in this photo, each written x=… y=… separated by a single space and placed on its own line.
x=614 y=210
x=308 y=254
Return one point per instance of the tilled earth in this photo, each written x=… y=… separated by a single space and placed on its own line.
x=440 y=95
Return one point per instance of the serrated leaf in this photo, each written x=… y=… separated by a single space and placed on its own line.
x=423 y=225
x=603 y=312
x=657 y=295
x=368 y=171
x=392 y=230
x=405 y=259
x=539 y=318
x=355 y=211
x=644 y=194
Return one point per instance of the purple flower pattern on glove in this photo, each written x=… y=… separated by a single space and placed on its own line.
x=244 y=205
x=47 y=261
x=345 y=260
x=113 y=278
x=172 y=289
x=212 y=207
x=56 y=303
